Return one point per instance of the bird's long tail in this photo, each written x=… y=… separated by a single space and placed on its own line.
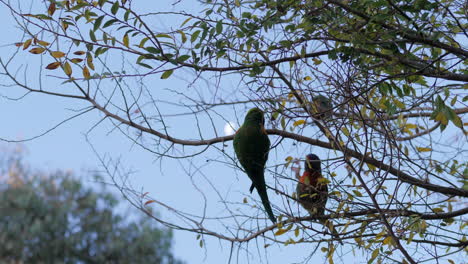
x=332 y=229
x=262 y=192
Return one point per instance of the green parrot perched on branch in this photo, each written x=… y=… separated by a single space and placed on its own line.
x=252 y=145
x=312 y=190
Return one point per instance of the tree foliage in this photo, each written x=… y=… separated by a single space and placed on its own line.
x=53 y=218
x=394 y=141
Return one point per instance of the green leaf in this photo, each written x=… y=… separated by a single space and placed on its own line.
x=194 y=36
x=127 y=14
x=357 y=193
x=145 y=65
x=115 y=8
x=109 y=23
x=454 y=100
x=166 y=74
x=163 y=36
x=183 y=58
x=219 y=27
x=185 y=21
x=153 y=50
x=92 y=36
x=97 y=23
x=183 y=36
x=142 y=42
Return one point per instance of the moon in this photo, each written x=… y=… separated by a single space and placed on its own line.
x=229 y=128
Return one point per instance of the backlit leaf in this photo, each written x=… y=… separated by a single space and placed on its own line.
x=37 y=50
x=86 y=73
x=125 y=40
x=298 y=122
x=166 y=74
x=51 y=9
x=421 y=149
x=27 y=43
x=67 y=69
x=53 y=65
x=57 y=54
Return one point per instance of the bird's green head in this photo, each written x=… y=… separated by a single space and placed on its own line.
x=255 y=115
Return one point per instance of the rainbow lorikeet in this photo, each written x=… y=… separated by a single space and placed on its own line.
x=312 y=190
x=252 y=145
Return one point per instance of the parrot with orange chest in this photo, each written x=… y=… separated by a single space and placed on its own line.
x=252 y=145
x=312 y=190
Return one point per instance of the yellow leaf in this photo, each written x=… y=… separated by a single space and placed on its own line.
x=57 y=54
x=371 y=167
x=437 y=210
x=441 y=118
x=399 y=104
x=280 y=232
x=125 y=40
x=64 y=25
x=43 y=43
x=51 y=9
x=296 y=232
x=67 y=68
x=27 y=43
x=345 y=131
x=80 y=52
x=86 y=72
x=307 y=78
x=387 y=241
x=375 y=253
x=420 y=149
x=299 y=122
x=37 y=50
x=89 y=61
x=317 y=61
x=76 y=60
x=245 y=200
x=53 y=65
